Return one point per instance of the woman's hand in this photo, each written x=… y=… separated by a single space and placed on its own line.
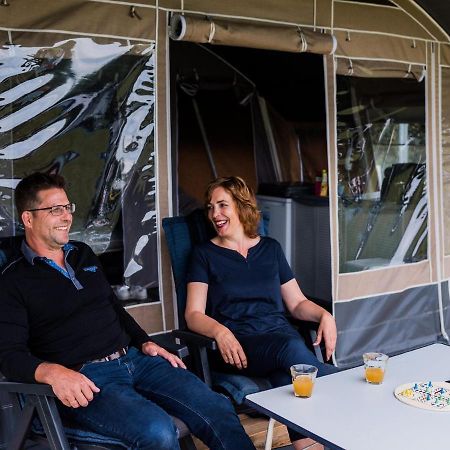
x=230 y=348
x=327 y=331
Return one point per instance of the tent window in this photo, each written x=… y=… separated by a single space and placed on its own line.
x=85 y=110
x=446 y=155
x=381 y=172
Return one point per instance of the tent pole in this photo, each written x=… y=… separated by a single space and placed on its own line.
x=204 y=137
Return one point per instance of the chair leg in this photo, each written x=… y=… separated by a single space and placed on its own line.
x=269 y=436
x=21 y=431
x=51 y=421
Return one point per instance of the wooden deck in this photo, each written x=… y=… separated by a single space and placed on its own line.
x=256 y=428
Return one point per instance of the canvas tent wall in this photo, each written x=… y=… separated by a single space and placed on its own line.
x=389 y=308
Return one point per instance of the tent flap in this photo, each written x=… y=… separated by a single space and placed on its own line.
x=269 y=37
x=379 y=69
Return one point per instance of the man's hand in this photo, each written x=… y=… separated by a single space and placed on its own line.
x=327 y=331
x=151 y=349
x=71 y=387
x=230 y=349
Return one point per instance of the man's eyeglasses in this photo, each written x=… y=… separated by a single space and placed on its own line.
x=57 y=210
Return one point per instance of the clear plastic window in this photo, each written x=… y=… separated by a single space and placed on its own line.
x=84 y=109
x=381 y=172
x=445 y=125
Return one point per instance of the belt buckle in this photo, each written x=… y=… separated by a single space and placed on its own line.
x=117 y=355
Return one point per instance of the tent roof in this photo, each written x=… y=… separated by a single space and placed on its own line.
x=439 y=10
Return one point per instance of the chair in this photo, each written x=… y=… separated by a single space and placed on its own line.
x=32 y=414
x=28 y=411
x=182 y=233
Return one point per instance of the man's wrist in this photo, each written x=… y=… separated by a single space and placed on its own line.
x=45 y=371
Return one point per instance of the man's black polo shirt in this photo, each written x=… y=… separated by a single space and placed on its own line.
x=65 y=317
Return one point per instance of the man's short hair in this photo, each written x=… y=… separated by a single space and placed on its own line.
x=26 y=193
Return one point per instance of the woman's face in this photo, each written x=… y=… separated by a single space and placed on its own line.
x=223 y=213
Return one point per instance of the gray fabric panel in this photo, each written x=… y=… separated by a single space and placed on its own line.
x=446 y=305
x=391 y=323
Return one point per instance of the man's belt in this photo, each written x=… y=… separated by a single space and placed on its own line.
x=116 y=355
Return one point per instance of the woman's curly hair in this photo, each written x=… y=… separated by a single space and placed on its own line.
x=244 y=198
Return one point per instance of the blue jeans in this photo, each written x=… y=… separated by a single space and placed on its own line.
x=271 y=355
x=137 y=394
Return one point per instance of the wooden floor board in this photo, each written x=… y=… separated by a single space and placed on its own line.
x=256 y=428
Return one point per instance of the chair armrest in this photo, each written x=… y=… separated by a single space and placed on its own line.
x=198 y=345
x=169 y=343
x=308 y=330
x=26 y=388
x=189 y=337
x=37 y=398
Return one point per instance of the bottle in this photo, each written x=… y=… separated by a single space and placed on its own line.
x=317 y=185
x=324 y=184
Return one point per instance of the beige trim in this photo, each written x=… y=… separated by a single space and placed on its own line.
x=148 y=316
x=269 y=37
x=433 y=232
x=330 y=98
x=163 y=158
x=382 y=281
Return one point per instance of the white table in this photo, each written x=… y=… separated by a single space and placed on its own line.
x=345 y=412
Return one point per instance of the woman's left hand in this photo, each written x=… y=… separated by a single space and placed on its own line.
x=328 y=332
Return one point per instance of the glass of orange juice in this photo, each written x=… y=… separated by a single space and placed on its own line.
x=375 y=367
x=303 y=377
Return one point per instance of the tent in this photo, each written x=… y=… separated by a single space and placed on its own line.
x=85 y=90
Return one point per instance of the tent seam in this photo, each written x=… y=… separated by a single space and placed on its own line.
x=80 y=33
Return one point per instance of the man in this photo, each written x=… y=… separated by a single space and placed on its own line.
x=61 y=324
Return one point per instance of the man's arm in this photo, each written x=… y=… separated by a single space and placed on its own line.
x=16 y=361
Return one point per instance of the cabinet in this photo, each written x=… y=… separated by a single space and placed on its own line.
x=302 y=227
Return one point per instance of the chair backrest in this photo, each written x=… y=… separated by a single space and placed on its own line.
x=182 y=233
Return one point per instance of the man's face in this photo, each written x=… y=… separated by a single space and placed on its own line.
x=43 y=228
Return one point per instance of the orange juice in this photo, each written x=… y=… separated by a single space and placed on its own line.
x=374 y=375
x=303 y=386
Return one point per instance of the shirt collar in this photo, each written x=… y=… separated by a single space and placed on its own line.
x=30 y=254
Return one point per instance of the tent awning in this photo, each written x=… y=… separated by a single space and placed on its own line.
x=269 y=37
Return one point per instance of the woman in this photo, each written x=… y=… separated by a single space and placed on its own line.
x=238 y=287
